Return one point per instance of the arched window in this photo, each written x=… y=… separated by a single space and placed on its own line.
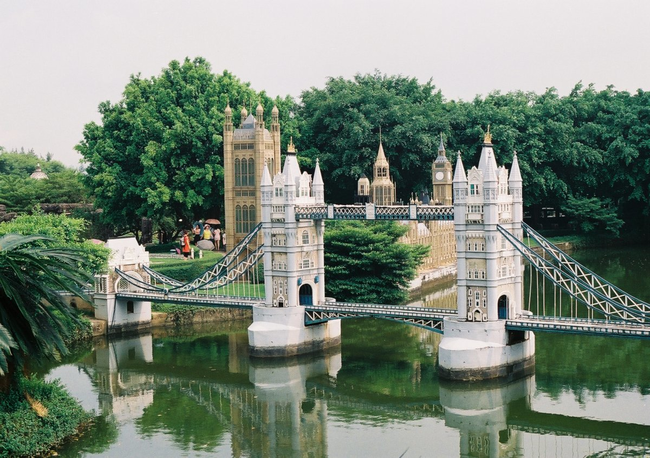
x=252 y=218
x=244 y=173
x=244 y=219
x=251 y=172
x=477 y=298
x=237 y=173
x=305 y=237
x=238 y=220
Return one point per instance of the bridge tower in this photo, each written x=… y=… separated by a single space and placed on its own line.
x=294 y=266
x=122 y=315
x=476 y=344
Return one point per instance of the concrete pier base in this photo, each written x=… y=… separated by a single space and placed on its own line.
x=485 y=350
x=278 y=331
x=121 y=315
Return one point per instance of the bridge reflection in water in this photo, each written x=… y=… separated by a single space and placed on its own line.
x=290 y=407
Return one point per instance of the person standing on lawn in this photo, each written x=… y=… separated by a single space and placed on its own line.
x=185 y=245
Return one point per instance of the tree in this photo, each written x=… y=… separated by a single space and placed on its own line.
x=60 y=231
x=20 y=193
x=365 y=262
x=588 y=214
x=34 y=318
x=158 y=152
x=341 y=123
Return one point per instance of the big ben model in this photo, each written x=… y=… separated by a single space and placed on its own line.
x=245 y=150
x=441 y=175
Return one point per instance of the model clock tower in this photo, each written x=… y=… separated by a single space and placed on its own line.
x=441 y=175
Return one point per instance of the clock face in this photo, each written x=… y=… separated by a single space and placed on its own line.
x=439 y=176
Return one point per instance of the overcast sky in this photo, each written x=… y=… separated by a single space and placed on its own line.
x=60 y=58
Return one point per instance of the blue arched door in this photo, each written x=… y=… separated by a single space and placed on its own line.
x=502 y=307
x=305 y=295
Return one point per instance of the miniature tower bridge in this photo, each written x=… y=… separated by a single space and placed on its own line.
x=489 y=335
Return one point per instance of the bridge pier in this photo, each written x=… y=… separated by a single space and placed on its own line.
x=492 y=352
x=280 y=332
x=122 y=314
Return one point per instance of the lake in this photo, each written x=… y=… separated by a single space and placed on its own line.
x=196 y=393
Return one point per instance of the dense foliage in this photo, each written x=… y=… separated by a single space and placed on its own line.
x=588 y=147
x=36 y=416
x=158 y=152
x=61 y=231
x=364 y=262
x=20 y=193
x=34 y=318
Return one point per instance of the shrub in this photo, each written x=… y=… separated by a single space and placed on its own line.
x=23 y=432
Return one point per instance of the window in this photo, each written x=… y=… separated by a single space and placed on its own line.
x=477 y=298
x=305 y=237
x=237 y=172
x=244 y=218
x=238 y=219
x=243 y=179
x=252 y=218
x=251 y=172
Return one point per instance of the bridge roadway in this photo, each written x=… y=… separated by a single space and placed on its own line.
x=411 y=212
x=424 y=317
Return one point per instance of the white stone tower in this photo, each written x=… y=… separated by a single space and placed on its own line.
x=245 y=151
x=294 y=266
x=476 y=344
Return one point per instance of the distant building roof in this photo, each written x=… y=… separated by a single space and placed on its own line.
x=39 y=174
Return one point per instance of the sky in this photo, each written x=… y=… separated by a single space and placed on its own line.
x=60 y=58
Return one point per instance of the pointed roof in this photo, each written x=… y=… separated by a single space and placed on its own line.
x=515 y=173
x=488 y=163
x=249 y=122
x=459 y=175
x=442 y=154
x=291 y=169
x=318 y=178
x=266 y=176
x=381 y=157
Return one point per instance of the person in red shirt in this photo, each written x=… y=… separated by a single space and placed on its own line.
x=185 y=245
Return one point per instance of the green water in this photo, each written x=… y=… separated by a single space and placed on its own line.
x=197 y=393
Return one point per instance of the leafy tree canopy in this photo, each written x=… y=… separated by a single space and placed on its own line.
x=23 y=163
x=158 y=152
x=60 y=231
x=20 y=193
x=341 y=125
x=364 y=262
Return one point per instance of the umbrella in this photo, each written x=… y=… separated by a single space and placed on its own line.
x=212 y=221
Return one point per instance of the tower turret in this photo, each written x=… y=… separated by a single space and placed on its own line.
x=382 y=187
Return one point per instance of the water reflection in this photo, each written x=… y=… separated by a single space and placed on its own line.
x=178 y=395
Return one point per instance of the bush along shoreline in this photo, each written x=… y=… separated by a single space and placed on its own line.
x=36 y=416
